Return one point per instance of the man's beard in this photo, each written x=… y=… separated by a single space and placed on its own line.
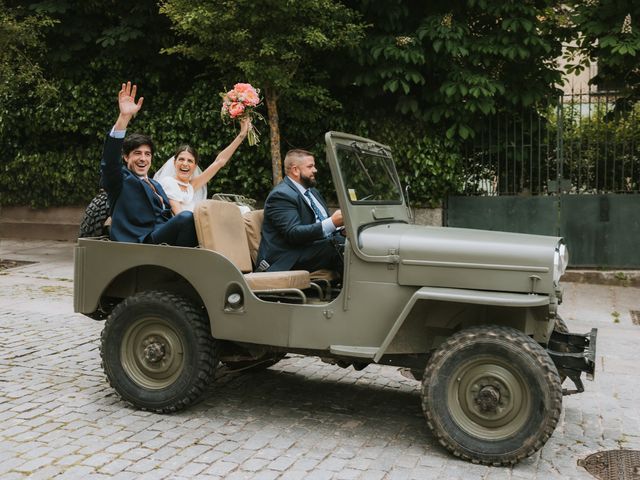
x=307 y=182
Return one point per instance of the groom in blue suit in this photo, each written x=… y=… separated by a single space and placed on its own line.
x=298 y=233
x=140 y=209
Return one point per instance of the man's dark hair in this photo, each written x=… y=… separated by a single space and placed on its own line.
x=135 y=140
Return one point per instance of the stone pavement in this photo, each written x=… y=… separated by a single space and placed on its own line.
x=299 y=419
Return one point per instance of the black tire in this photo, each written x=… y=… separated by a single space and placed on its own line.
x=157 y=351
x=491 y=395
x=560 y=325
x=96 y=213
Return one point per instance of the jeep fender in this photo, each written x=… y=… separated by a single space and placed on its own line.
x=477 y=297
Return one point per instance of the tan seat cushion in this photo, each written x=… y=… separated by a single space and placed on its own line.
x=253 y=226
x=324 y=274
x=278 y=280
x=220 y=227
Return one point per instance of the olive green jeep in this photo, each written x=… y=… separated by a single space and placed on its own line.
x=472 y=314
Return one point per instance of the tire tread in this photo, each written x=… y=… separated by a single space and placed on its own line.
x=96 y=213
x=207 y=346
x=541 y=359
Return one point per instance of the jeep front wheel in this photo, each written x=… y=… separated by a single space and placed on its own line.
x=491 y=395
x=157 y=351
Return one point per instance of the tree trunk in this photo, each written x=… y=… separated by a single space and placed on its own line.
x=274 y=135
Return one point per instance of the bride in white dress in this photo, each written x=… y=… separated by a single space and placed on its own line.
x=184 y=182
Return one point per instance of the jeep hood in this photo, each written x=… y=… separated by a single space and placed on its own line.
x=465 y=258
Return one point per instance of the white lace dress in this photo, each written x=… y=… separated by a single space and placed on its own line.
x=184 y=195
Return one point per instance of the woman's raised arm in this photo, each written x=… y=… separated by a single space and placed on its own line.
x=223 y=157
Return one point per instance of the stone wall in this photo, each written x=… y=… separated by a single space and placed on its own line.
x=60 y=223
x=428 y=216
x=63 y=223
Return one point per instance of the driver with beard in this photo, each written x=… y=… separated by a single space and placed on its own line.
x=298 y=233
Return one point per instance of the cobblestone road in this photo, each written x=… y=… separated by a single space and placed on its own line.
x=298 y=419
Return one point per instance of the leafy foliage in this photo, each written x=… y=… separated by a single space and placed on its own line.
x=452 y=63
x=609 y=34
x=601 y=152
x=269 y=43
x=418 y=76
x=21 y=45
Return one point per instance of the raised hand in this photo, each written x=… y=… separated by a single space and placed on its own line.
x=128 y=105
x=127 y=100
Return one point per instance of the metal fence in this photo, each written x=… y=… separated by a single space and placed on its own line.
x=588 y=143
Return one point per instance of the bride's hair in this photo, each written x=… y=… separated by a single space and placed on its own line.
x=187 y=148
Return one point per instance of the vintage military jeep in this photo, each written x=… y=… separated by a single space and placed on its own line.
x=471 y=313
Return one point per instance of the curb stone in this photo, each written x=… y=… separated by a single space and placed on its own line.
x=616 y=278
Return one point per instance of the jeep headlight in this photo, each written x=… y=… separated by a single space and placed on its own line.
x=560 y=262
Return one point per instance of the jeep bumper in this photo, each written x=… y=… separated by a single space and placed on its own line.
x=574 y=353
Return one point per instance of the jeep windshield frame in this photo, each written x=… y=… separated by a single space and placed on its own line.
x=367 y=186
x=369 y=174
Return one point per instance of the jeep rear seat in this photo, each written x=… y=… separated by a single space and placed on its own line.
x=220 y=227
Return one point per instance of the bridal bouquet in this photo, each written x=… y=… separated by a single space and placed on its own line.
x=239 y=103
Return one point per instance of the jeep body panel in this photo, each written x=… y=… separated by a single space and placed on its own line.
x=363 y=320
x=456 y=257
x=405 y=287
x=438 y=321
x=116 y=269
x=102 y=265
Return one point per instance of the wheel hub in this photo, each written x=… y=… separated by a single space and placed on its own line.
x=488 y=399
x=152 y=353
x=155 y=351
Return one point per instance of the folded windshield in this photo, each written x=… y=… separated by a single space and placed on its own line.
x=369 y=175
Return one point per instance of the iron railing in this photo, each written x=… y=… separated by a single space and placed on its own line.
x=589 y=142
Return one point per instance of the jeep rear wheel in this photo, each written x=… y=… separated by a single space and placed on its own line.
x=157 y=351
x=491 y=395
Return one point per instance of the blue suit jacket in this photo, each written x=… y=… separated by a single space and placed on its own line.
x=289 y=226
x=135 y=208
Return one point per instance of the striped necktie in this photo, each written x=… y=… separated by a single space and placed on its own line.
x=320 y=217
x=148 y=182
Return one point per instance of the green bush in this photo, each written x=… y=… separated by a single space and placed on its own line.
x=52 y=150
x=601 y=146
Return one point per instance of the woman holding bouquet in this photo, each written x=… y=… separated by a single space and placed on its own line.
x=184 y=182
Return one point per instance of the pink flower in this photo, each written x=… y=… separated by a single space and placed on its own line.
x=236 y=109
x=239 y=103
x=246 y=94
x=243 y=87
x=231 y=96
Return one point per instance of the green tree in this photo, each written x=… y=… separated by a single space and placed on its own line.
x=84 y=49
x=609 y=34
x=21 y=52
x=450 y=64
x=269 y=43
